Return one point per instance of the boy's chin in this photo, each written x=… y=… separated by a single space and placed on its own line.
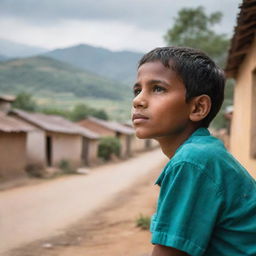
x=143 y=136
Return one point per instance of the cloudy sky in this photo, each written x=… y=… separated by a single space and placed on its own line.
x=137 y=25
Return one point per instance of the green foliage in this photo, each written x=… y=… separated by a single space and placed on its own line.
x=101 y=114
x=79 y=112
x=194 y=28
x=41 y=74
x=109 y=146
x=56 y=111
x=25 y=101
x=82 y=111
x=66 y=167
x=143 y=222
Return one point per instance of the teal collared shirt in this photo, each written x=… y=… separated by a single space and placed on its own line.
x=207 y=201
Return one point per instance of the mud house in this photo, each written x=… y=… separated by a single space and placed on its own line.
x=241 y=65
x=110 y=128
x=13 y=137
x=57 y=139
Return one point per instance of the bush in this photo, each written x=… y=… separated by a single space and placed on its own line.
x=143 y=222
x=109 y=146
x=66 y=167
x=36 y=170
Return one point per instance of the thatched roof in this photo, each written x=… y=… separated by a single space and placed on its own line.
x=11 y=124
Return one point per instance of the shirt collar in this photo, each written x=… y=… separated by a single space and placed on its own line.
x=199 y=132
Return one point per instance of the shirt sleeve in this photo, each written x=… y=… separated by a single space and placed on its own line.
x=188 y=207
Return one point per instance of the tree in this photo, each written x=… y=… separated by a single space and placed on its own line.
x=25 y=101
x=194 y=28
x=82 y=111
x=101 y=114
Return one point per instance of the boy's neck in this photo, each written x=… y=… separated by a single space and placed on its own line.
x=169 y=144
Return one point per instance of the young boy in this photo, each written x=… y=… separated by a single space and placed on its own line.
x=207 y=200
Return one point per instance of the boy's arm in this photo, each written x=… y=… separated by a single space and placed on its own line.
x=160 y=250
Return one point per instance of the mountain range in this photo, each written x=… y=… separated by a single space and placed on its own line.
x=83 y=70
x=119 y=66
x=116 y=65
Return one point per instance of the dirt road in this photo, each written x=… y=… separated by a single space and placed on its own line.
x=36 y=212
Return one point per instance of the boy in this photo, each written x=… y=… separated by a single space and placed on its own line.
x=207 y=200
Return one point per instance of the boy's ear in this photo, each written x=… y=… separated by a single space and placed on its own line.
x=200 y=107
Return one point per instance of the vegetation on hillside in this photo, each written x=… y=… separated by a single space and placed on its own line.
x=120 y=66
x=41 y=74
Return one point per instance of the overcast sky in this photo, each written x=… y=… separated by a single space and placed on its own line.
x=137 y=25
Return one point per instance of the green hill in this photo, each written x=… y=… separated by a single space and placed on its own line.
x=120 y=66
x=42 y=74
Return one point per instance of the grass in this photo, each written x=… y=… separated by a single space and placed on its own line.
x=143 y=222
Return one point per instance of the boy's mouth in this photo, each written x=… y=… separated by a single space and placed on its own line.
x=138 y=118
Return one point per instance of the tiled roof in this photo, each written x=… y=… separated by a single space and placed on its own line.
x=54 y=123
x=113 y=126
x=11 y=124
x=243 y=37
x=8 y=98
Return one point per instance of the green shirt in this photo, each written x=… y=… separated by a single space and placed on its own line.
x=207 y=201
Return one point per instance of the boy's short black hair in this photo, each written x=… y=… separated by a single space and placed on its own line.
x=198 y=72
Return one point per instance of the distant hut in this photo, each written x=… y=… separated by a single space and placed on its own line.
x=13 y=137
x=57 y=139
x=241 y=66
x=110 y=128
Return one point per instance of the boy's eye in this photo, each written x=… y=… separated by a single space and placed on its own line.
x=136 y=91
x=158 y=88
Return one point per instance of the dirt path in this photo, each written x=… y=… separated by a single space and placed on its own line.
x=37 y=212
x=109 y=231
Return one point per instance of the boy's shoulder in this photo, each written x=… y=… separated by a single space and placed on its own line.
x=206 y=155
x=201 y=149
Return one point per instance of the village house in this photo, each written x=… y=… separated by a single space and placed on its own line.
x=13 y=137
x=56 y=139
x=241 y=65
x=110 y=128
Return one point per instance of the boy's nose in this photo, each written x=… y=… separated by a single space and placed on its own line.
x=139 y=101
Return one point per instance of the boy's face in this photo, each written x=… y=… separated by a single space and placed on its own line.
x=159 y=106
